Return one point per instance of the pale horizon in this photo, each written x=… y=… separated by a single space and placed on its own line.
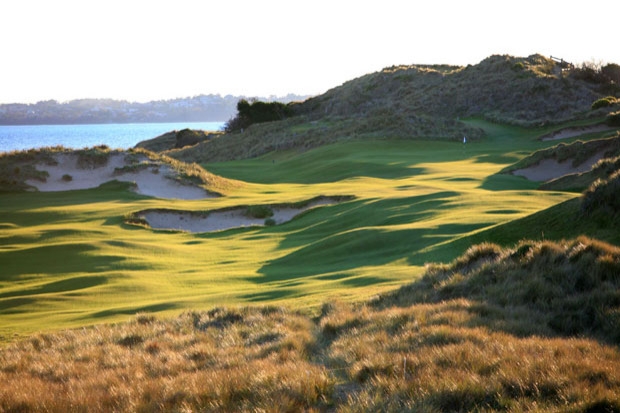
x=142 y=51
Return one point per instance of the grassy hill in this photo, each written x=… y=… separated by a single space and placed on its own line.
x=418 y=102
x=440 y=282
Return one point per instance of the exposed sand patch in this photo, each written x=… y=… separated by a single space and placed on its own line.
x=549 y=169
x=574 y=131
x=151 y=179
x=196 y=222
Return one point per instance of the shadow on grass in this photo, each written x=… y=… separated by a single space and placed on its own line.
x=503 y=182
x=361 y=233
x=67 y=285
x=361 y=247
x=113 y=191
x=322 y=167
x=271 y=295
x=10 y=305
x=153 y=308
x=59 y=259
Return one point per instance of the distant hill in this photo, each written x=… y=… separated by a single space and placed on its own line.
x=203 y=108
x=422 y=102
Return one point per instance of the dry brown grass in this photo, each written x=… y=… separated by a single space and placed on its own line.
x=437 y=358
x=530 y=328
x=223 y=360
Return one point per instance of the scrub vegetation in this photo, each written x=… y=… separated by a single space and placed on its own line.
x=440 y=282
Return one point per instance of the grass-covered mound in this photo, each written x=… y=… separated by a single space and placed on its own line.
x=176 y=139
x=545 y=288
x=417 y=102
x=601 y=201
x=524 y=91
x=533 y=327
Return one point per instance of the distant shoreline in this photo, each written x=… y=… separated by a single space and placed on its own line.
x=202 y=108
x=77 y=136
x=113 y=123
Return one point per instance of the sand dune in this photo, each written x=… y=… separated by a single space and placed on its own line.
x=154 y=178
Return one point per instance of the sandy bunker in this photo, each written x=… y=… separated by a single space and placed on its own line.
x=548 y=169
x=196 y=222
x=152 y=178
x=575 y=131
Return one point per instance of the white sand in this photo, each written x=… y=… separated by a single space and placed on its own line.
x=220 y=220
x=151 y=181
x=549 y=169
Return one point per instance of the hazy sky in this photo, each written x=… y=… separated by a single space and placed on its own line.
x=143 y=50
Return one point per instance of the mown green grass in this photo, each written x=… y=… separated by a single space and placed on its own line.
x=68 y=259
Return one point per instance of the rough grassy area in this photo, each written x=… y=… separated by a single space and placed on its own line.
x=521 y=91
x=528 y=328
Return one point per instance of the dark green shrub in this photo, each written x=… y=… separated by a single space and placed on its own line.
x=249 y=113
x=259 y=211
x=67 y=178
x=270 y=222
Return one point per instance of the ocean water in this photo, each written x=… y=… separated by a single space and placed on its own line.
x=116 y=136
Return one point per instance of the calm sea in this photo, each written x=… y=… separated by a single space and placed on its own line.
x=116 y=136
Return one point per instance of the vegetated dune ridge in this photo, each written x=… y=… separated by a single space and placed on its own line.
x=535 y=326
x=417 y=102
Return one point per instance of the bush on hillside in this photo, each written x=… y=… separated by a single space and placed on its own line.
x=607 y=77
x=603 y=102
x=602 y=199
x=255 y=111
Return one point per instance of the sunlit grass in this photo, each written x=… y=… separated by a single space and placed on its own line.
x=69 y=259
x=419 y=293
